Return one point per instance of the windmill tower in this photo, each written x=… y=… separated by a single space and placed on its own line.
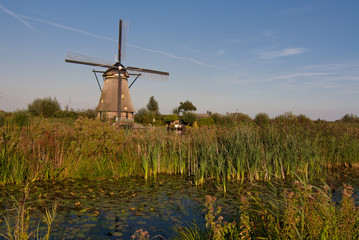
x=115 y=101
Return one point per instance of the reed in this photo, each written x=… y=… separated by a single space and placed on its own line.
x=91 y=149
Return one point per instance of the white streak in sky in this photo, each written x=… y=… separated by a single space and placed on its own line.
x=17 y=17
x=297 y=75
x=21 y=17
x=182 y=58
x=282 y=53
x=67 y=28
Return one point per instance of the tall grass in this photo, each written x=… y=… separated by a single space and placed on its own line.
x=92 y=149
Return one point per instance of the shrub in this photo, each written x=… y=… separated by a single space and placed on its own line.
x=189 y=118
x=222 y=120
x=65 y=114
x=2 y=119
x=241 y=117
x=144 y=116
x=89 y=113
x=350 y=118
x=261 y=119
x=45 y=107
x=303 y=119
x=170 y=118
x=21 y=118
x=207 y=121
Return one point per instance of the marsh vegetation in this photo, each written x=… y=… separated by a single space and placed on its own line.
x=296 y=160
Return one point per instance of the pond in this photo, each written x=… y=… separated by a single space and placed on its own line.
x=116 y=209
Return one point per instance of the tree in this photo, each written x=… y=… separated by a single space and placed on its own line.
x=261 y=119
x=152 y=105
x=186 y=107
x=144 y=116
x=170 y=118
x=189 y=118
x=45 y=107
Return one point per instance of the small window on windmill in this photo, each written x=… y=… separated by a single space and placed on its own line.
x=122 y=96
x=125 y=108
x=101 y=100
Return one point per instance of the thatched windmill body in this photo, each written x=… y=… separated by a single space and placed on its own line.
x=115 y=101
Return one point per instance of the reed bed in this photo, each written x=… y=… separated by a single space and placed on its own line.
x=91 y=149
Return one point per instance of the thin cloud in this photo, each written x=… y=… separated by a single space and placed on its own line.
x=17 y=17
x=181 y=58
x=282 y=53
x=67 y=28
x=21 y=17
x=297 y=75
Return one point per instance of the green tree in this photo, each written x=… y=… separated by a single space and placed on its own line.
x=261 y=119
x=152 y=105
x=45 y=107
x=170 y=118
x=144 y=116
x=189 y=118
x=186 y=106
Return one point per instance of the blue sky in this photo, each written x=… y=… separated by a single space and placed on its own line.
x=224 y=56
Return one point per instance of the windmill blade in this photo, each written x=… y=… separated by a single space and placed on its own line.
x=119 y=42
x=81 y=59
x=150 y=75
x=143 y=70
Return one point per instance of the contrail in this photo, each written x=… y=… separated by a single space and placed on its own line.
x=17 y=17
x=21 y=17
x=67 y=28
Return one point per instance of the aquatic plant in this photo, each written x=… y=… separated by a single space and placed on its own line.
x=20 y=229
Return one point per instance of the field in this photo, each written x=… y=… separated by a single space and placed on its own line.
x=287 y=157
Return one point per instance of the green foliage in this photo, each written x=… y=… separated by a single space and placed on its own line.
x=152 y=105
x=241 y=117
x=189 y=118
x=350 y=118
x=144 y=116
x=66 y=114
x=2 y=119
x=261 y=119
x=56 y=149
x=301 y=211
x=170 y=118
x=222 y=120
x=207 y=121
x=45 y=107
x=85 y=113
x=21 y=118
x=20 y=229
x=186 y=107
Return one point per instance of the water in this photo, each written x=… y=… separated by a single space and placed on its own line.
x=116 y=209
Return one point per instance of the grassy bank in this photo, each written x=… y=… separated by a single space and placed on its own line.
x=48 y=149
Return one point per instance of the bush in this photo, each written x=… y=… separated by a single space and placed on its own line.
x=45 y=107
x=170 y=118
x=2 y=119
x=21 y=118
x=207 y=121
x=350 y=118
x=241 y=117
x=222 y=120
x=189 y=118
x=89 y=113
x=261 y=119
x=303 y=119
x=144 y=116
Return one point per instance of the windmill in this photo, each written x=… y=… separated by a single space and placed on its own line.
x=115 y=101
